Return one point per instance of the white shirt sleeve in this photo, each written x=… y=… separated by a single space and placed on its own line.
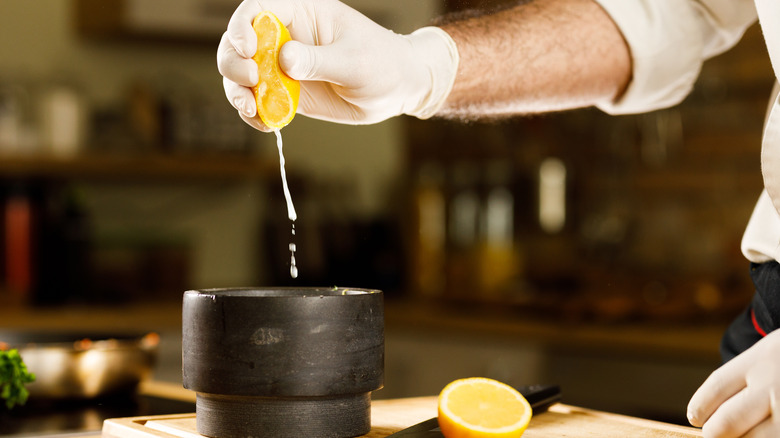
x=669 y=40
x=761 y=241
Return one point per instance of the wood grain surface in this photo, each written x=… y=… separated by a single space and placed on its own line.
x=390 y=416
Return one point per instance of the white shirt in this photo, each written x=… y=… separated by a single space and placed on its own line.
x=669 y=41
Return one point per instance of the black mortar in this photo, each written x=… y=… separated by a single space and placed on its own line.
x=283 y=362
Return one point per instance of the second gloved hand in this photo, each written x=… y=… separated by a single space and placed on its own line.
x=352 y=70
x=742 y=397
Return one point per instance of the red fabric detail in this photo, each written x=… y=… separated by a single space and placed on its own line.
x=755 y=323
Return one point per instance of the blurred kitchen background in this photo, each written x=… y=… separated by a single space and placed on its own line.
x=600 y=253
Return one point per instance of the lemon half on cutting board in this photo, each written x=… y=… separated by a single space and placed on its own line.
x=478 y=407
x=276 y=94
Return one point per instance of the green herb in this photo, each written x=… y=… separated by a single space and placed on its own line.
x=13 y=377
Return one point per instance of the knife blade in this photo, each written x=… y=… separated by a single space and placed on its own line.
x=540 y=397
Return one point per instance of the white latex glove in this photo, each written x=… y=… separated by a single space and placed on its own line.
x=352 y=70
x=742 y=398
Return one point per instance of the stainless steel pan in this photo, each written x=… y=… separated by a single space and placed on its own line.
x=74 y=365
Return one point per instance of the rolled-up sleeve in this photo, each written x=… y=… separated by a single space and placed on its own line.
x=669 y=40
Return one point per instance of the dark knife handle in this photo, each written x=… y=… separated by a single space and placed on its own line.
x=540 y=397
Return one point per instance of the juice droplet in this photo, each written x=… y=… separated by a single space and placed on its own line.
x=293 y=265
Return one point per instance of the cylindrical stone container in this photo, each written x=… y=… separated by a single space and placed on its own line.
x=283 y=362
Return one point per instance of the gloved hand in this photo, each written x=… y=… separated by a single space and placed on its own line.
x=352 y=70
x=742 y=398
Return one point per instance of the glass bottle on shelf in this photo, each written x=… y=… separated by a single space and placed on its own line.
x=499 y=262
x=462 y=229
x=427 y=256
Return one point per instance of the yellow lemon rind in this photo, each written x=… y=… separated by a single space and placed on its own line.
x=276 y=78
x=452 y=424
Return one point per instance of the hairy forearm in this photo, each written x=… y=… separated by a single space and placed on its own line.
x=537 y=56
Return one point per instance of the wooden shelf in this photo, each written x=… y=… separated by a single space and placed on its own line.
x=684 y=341
x=137 y=167
x=127 y=318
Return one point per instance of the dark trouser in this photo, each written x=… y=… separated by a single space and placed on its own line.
x=761 y=317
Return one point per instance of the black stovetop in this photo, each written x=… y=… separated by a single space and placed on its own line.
x=70 y=416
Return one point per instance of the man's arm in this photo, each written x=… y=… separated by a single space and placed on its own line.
x=535 y=57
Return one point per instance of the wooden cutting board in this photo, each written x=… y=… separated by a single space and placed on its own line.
x=390 y=416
